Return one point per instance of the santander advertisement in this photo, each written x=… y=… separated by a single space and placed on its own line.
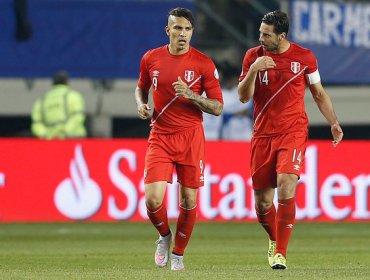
x=102 y=180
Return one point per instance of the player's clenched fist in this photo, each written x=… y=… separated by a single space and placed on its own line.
x=182 y=89
x=143 y=111
x=337 y=133
x=263 y=63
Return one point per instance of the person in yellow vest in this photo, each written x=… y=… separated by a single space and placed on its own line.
x=60 y=112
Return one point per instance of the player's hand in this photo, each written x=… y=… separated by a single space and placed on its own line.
x=337 y=133
x=182 y=89
x=143 y=111
x=263 y=63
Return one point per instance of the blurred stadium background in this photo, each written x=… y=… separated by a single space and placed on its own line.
x=101 y=42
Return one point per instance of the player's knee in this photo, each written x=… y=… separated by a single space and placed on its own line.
x=153 y=202
x=188 y=202
x=286 y=190
x=263 y=206
x=286 y=185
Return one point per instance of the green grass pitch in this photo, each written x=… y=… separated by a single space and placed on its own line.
x=216 y=251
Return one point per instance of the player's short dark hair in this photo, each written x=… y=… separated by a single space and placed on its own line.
x=182 y=12
x=60 y=77
x=279 y=20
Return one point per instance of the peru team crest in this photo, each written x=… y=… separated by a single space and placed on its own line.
x=295 y=67
x=189 y=75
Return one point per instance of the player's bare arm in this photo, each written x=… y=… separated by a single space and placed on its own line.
x=325 y=106
x=208 y=105
x=246 y=86
x=143 y=108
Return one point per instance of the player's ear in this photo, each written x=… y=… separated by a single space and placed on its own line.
x=167 y=29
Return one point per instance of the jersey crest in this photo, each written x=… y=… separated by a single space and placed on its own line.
x=295 y=67
x=189 y=75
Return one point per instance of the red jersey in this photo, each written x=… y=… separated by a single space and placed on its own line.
x=159 y=69
x=279 y=92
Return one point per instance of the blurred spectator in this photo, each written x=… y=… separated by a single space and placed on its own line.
x=237 y=117
x=236 y=121
x=212 y=126
x=60 y=112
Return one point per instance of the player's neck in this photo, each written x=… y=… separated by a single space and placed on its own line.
x=177 y=51
x=283 y=47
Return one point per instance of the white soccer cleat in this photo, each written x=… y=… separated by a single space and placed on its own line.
x=271 y=252
x=163 y=247
x=279 y=262
x=177 y=262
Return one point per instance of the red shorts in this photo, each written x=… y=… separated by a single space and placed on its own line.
x=275 y=155
x=183 y=150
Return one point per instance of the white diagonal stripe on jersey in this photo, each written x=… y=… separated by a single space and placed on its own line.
x=277 y=92
x=172 y=100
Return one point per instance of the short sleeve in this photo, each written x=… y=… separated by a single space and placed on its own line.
x=312 y=71
x=211 y=81
x=311 y=63
x=247 y=62
x=144 y=79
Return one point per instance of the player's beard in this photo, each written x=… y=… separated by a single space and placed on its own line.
x=272 y=47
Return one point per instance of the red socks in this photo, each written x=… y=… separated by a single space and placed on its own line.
x=267 y=220
x=184 y=228
x=279 y=225
x=284 y=224
x=158 y=217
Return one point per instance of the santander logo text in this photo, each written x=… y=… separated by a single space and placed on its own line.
x=320 y=200
x=225 y=196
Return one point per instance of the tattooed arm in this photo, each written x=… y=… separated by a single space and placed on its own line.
x=208 y=105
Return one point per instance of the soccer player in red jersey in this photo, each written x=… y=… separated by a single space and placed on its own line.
x=178 y=75
x=275 y=74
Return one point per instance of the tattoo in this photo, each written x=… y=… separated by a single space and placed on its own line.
x=211 y=106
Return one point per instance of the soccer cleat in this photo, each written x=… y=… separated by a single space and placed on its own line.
x=177 y=262
x=271 y=251
x=279 y=262
x=163 y=247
